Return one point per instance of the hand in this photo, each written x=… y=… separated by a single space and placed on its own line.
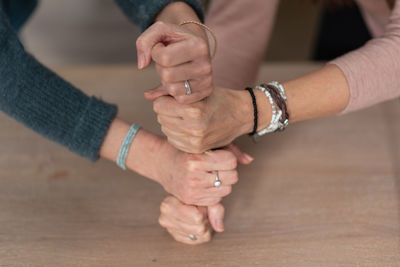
x=180 y=54
x=191 y=177
x=182 y=220
x=211 y=123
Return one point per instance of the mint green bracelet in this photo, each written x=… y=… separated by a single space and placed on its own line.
x=126 y=144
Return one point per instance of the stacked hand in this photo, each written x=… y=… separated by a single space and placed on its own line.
x=194 y=122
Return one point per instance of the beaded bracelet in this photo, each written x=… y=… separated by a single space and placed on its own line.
x=126 y=144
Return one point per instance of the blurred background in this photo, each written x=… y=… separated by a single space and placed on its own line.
x=96 y=32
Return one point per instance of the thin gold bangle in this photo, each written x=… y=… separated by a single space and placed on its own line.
x=207 y=29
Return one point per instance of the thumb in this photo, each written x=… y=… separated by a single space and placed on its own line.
x=242 y=158
x=216 y=217
x=155 y=93
x=147 y=40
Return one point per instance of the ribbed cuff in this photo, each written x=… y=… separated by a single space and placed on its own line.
x=145 y=12
x=92 y=127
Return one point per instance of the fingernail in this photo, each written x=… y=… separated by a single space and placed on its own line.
x=149 y=92
x=220 y=224
x=248 y=157
x=141 y=60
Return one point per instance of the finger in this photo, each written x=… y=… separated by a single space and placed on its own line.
x=168 y=106
x=216 y=216
x=243 y=158
x=155 y=93
x=153 y=35
x=171 y=207
x=172 y=223
x=180 y=52
x=225 y=177
x=212 y=196
x=218 y=160
x=200 y=89
x=187 y=71
x=184 y=238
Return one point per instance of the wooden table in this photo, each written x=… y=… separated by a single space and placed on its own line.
x=323 y=193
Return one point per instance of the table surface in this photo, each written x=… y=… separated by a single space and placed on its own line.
x=322 y=193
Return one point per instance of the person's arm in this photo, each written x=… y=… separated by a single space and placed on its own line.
x=38 y=98
x=359 y=79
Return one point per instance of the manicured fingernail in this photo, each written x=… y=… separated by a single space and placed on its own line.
x=141 y=60
x=248 y=157
x=220 y=224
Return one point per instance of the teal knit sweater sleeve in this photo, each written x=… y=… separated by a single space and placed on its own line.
x=144 y=12
x=38 y=98
x=44 y=102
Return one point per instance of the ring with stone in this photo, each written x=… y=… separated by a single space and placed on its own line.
x=217 y=182
x=192 y=237
x=188 y=89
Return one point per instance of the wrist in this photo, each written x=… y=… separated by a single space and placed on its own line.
x=178 y=12
x=145 y=150
x=245 y=113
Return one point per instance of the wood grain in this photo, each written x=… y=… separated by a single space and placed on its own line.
x=323 y=193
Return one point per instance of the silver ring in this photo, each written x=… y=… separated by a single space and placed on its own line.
x=192 y=237
x=188 y=89
x=217 y=182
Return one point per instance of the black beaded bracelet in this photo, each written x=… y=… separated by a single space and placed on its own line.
x=253 y=98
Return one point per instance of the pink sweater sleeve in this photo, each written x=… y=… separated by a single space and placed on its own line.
x=243 y=29
x=373 y=71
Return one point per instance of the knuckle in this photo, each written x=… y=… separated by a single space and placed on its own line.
x=191 y=165
x=166 y=75
x=235 y=177
x=202 y=46
x=164 y=207
x=227 y=191
x=200 y=229
x=165 y=59
x=158 y=24
x=196 y=142
x=173 y=90
x=140 y=42
x=198 y=218
x=162 y=221
x=159 y=120
x=181 y=99
x=199 y=130
x=196 y=113
x=206 y=68
x=232 y=163
x=156 y=106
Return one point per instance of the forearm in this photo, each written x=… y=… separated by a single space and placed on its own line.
x=142 y=153
x=44 y=102
x=320 y=93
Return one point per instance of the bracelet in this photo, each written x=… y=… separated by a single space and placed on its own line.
x=126 y=144
x=276 y=96
x=253 y=99
x=207 y=29
x=280 y=98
